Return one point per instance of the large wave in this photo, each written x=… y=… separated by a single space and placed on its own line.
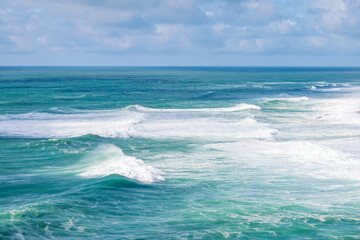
x=138 y=121
x=239 y=107
x=204 y=127
x=109 y=159
x=119 y=124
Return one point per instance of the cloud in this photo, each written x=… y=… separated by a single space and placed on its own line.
x=281 y=27
x=243 y=12
x=336 y=16
x=209 y=27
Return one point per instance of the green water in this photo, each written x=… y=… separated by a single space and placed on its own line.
x=179 y=153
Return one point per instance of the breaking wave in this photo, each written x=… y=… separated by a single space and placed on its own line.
x=206 y=128
x=238 y=107
x=134 y=121
x=117 y=124
x=109 y=159
x=287 y=99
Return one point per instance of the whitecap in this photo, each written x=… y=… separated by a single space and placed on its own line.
x=137 y=121
x=288 y=99
x=109 y=159
x=116 y=124
x=303 y=158
x=332 y=87
x=339 y=110
x=211 y=128
x=239 y=107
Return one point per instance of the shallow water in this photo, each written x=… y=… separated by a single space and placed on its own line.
x=179 y=153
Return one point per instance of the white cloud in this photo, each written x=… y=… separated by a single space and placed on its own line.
x=336 y=16
x=315 y=41
x=281 y=27
x=245 y=45
x=172 y=26
x=219 y=28
x=170 y=35
x=116 y=44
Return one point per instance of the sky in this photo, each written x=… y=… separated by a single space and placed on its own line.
x=180 y=32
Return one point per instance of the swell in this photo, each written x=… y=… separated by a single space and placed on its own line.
x=108 y=160
x=239 y=107
x=117 y=124
x=131 y=121
x=286 y=99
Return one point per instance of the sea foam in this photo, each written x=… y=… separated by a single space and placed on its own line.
x=339 y=110
x=239 y=107
x=135 y=121
x=287 y=99
x=295 y=157
x=116 y=124
x=215 y=128
x=109 y=159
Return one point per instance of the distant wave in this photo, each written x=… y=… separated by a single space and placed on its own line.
x=117 y=124
x=137 y=121
x=287 y=99
x=239 y=107
x=205 y=95
x=109 y=159
x=206 y=128
x=330 y=87
x=70 y=97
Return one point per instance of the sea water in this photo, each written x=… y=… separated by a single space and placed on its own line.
x=179 y=153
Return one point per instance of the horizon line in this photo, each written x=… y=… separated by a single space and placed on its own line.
x=169 y=66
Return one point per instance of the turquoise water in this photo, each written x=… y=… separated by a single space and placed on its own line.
x=179 y=153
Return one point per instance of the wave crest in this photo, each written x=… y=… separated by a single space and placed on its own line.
x=239 y=107
x=109 y=159
x=136 y=121
x=116 y=124
x=287 y=99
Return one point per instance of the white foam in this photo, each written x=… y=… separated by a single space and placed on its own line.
x=288 y=99
x=109 y=159
x=70 y=96
x=238 y=107
x=331 y=87
x=339 y=110
x=138 y=121
x=324 y=84
x=201 y=123
x=203 y=127
x=294 y=158
x=118 y=124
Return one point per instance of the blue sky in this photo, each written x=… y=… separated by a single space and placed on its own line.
x=180 y=32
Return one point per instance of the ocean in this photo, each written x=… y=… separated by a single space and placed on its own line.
x=179 y=153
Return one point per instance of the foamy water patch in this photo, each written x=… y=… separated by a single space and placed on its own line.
x=109 y=159
x=139 y=121
x=332 y=87
x=239 y=107
x=300 y=158
x=116 y=124
x=287 y=99
x=339 y=110
x=204 y=127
